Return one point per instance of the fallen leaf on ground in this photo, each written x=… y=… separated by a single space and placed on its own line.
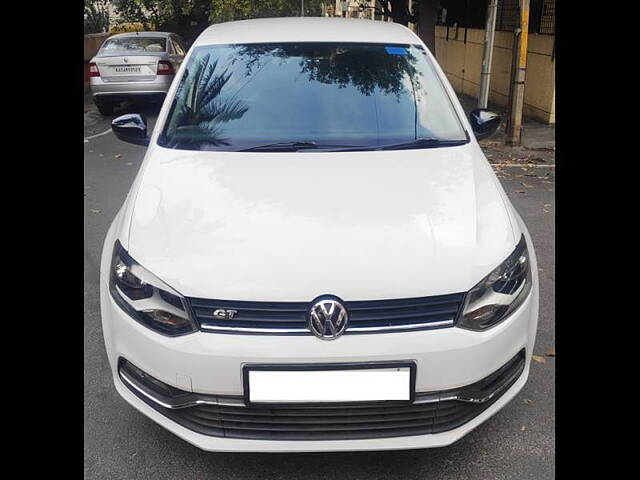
x=538 y=358
x=551 y=352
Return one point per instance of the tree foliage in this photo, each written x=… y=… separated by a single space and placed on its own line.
x=185 y=17
x=227 y=10
x=364 y=68
x=96 y=16
x=190 y=17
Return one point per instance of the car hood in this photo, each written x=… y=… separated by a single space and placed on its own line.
x=293 y=226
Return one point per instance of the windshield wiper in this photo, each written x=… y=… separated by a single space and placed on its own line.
x=293 y=147
x=429 y=142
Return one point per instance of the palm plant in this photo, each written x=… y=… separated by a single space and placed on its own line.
x=201 y=111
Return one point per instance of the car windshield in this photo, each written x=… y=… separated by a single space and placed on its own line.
x=309 y=95
x=135 y=44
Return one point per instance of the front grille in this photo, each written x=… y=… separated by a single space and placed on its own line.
x=290 y=318
x=228 y=416
x=322 y=423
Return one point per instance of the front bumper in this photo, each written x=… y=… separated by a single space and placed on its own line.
x=221 y=444
x=211 y=364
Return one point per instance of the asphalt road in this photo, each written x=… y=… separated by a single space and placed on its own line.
x=120 y=443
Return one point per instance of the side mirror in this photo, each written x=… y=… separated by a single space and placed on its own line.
x=484 y=123
x=131 y=128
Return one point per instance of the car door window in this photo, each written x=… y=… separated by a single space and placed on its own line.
x=178 y=47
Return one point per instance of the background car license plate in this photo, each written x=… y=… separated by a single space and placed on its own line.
x=320 y=384
x=127 y=69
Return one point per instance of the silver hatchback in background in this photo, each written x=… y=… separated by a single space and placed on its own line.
x=134 y=67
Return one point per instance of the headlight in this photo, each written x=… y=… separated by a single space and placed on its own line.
x=499 y=293
x=147 y=298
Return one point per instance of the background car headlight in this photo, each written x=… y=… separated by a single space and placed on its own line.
x=499 y=293
x=147 y=298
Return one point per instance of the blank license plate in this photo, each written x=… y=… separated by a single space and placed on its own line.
x=332 y=385
x=127 y=69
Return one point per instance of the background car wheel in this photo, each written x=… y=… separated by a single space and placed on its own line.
x=105 y=108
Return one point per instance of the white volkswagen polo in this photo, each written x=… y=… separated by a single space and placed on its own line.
x=315 y=254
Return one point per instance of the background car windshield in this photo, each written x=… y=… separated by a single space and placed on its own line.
x=135 y=44
x=234 y=97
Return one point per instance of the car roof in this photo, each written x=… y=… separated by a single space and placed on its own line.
x=306 y=29
x=142 y=34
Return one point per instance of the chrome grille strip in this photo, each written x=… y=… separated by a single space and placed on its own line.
x=291 y=318
x=217 y=328
x=400 y=327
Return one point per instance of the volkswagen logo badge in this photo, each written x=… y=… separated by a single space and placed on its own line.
x=328 y=318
